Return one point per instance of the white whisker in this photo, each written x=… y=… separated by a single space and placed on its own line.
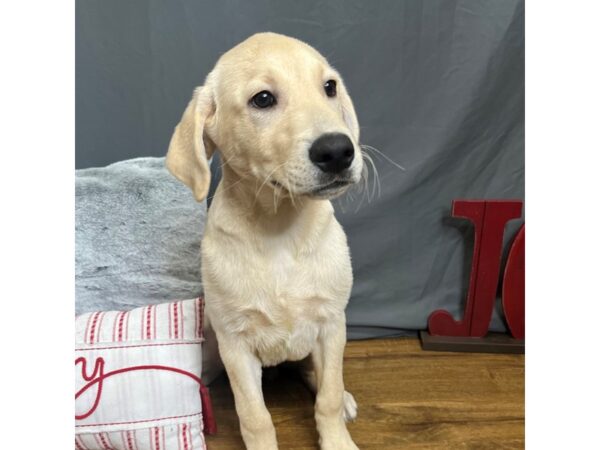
x=376 y=179
x=369 y=147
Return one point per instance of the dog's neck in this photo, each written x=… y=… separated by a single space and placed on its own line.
x=264 y=205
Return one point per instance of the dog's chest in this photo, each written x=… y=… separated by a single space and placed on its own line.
x=283 y=295
x=301 y=294
x=281 y=265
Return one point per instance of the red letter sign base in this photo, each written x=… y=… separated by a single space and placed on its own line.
x=470 y=333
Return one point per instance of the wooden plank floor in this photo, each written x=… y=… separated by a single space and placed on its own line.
x=407 y=399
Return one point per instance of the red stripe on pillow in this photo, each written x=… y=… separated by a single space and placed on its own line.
x=175 y=321
x=131 y=440
x=149 y=322
x=79 y=445
x=181 y=318
x=157 y=438
x=185 y=436
x=200 y=331
x=87 y=327
x=118 y=321
x=154 y=321
x=128 y=313
x=99 y=328
x=93 y=327
x=120 y=328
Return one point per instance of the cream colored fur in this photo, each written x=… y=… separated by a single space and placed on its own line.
x=275 y=261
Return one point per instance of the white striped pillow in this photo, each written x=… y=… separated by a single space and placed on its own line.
x=138 y=383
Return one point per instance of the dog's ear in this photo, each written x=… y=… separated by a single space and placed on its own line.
x=191 y=147
x=349 y=113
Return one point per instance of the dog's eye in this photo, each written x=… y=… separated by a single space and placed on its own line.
x=330 y=88
x=263 y=99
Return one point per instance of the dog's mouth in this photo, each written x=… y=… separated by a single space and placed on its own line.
x=334 y=185
x=326 y=190
x=332 y=189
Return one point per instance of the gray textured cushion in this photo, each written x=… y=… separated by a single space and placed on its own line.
x=137 y=232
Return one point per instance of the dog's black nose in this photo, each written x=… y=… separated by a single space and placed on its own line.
x=332 y=152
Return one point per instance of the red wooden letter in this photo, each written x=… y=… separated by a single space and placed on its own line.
x=489 y=218
x=513 y=287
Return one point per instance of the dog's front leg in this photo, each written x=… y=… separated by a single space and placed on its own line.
x=245 y=373
x=327 y=359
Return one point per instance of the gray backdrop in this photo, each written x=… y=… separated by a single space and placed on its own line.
x=438 y=87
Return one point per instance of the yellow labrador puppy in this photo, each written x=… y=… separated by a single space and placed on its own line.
x=275 y=261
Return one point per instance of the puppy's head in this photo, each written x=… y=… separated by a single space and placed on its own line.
x=278 y=113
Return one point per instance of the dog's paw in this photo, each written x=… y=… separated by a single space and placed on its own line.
x=343 y=442
x=350 y=407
